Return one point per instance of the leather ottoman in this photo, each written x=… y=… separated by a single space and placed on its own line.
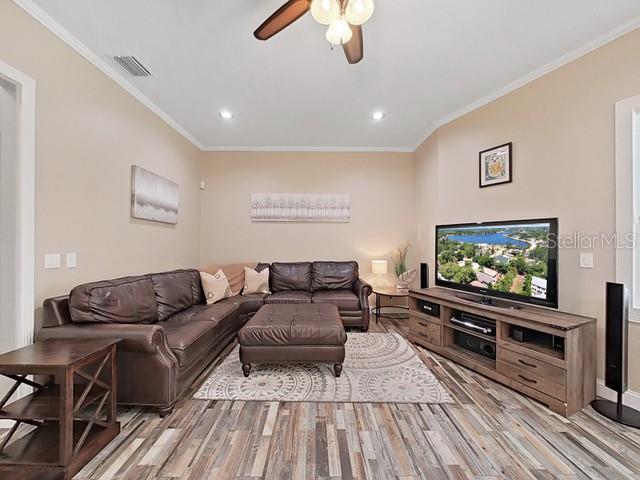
x=303 y=333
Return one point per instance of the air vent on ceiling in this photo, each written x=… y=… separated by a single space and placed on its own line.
x=133 y=66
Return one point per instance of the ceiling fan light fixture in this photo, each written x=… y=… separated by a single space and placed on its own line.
x=325 y=12
x=225 y=114
x=359 y=11
x=339 y=32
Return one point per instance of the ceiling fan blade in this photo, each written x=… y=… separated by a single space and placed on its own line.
x=354 y=48
x=282 y=18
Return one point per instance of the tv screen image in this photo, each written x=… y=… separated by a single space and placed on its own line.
x=512 y=259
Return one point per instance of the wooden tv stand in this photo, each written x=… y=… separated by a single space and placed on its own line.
x=556 y=366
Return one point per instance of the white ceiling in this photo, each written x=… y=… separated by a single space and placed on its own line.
x=424 y=61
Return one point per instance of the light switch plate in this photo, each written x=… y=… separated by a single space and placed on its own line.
x=52 y=260
x=586 y=260
x=71 y=260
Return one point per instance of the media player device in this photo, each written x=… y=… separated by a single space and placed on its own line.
x=475 y=323
x=475 y=344
x=429 y=308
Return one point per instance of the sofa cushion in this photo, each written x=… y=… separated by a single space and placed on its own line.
x=290 y=276
x=193 y=331
x=122 y=300
x=174 y=291
x=209 y=313
x=289 y=296
x=196 y=287
x=246 y=303
x=345 y=300
x=334 y=275
x=187 y=339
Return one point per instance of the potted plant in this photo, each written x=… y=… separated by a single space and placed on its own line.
x=405 y=277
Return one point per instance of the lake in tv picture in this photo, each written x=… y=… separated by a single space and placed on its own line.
x=489 y=239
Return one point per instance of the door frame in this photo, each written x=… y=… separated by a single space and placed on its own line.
x=25 y=204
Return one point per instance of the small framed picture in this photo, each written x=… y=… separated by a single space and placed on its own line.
x=495 y=166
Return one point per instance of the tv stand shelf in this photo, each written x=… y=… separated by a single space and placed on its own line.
x=554 y=363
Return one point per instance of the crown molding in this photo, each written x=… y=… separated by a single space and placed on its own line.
x=311 y=149
x=45 y=19
x=538 y=73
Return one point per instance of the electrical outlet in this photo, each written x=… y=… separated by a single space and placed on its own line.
x=71 y=260
x=52 y=260
x=586 y=260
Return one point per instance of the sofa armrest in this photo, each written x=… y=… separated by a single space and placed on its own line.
x=363 y=290
x=135 y=338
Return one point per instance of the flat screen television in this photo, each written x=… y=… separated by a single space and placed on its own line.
x=517 y=260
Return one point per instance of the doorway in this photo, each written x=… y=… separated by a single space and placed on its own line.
x=17 y=212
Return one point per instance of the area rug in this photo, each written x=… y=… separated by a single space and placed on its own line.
x=379 y=367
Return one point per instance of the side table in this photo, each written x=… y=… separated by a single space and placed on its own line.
x=390 y=292
x=74 y=415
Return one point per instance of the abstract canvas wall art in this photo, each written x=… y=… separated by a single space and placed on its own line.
x=153 y=197
x=300 y=207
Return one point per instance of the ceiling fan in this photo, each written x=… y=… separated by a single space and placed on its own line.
x=344 y=18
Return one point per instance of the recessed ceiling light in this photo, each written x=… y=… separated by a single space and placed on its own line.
x=226 y=115
x=378 y=116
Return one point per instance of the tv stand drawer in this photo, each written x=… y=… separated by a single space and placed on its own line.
x=533 y=380
x=537 y=367
x=425 y=331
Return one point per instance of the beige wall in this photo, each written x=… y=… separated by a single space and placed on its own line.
x=562 y=128
x=89 y=133
x=382 y=213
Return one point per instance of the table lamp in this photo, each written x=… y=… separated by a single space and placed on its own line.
x=379 y=267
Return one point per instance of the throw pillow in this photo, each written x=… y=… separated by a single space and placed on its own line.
x=216 y=287
x=255 y=282
x=234 y=273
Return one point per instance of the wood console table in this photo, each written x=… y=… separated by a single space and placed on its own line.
x=74 y=415
x=555 y=364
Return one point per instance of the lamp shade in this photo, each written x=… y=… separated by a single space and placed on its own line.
x=379 y=267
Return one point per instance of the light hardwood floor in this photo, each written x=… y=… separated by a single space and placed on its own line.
x=490 y=432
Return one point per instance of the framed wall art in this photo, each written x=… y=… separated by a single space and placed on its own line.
x=153 y=197
x=300 y=207
x=496 y=165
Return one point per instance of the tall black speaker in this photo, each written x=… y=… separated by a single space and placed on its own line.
x=615 y=370
x=616 y=337
x=424 y=275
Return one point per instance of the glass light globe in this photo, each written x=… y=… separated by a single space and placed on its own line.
x=359 y=11
x=325 y=11
x=339 y=32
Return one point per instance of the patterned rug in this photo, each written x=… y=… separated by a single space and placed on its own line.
x=379 y=367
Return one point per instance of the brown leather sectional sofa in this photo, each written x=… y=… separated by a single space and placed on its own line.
x=169 y=335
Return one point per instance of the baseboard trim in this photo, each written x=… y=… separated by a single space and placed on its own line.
x=630 y=398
